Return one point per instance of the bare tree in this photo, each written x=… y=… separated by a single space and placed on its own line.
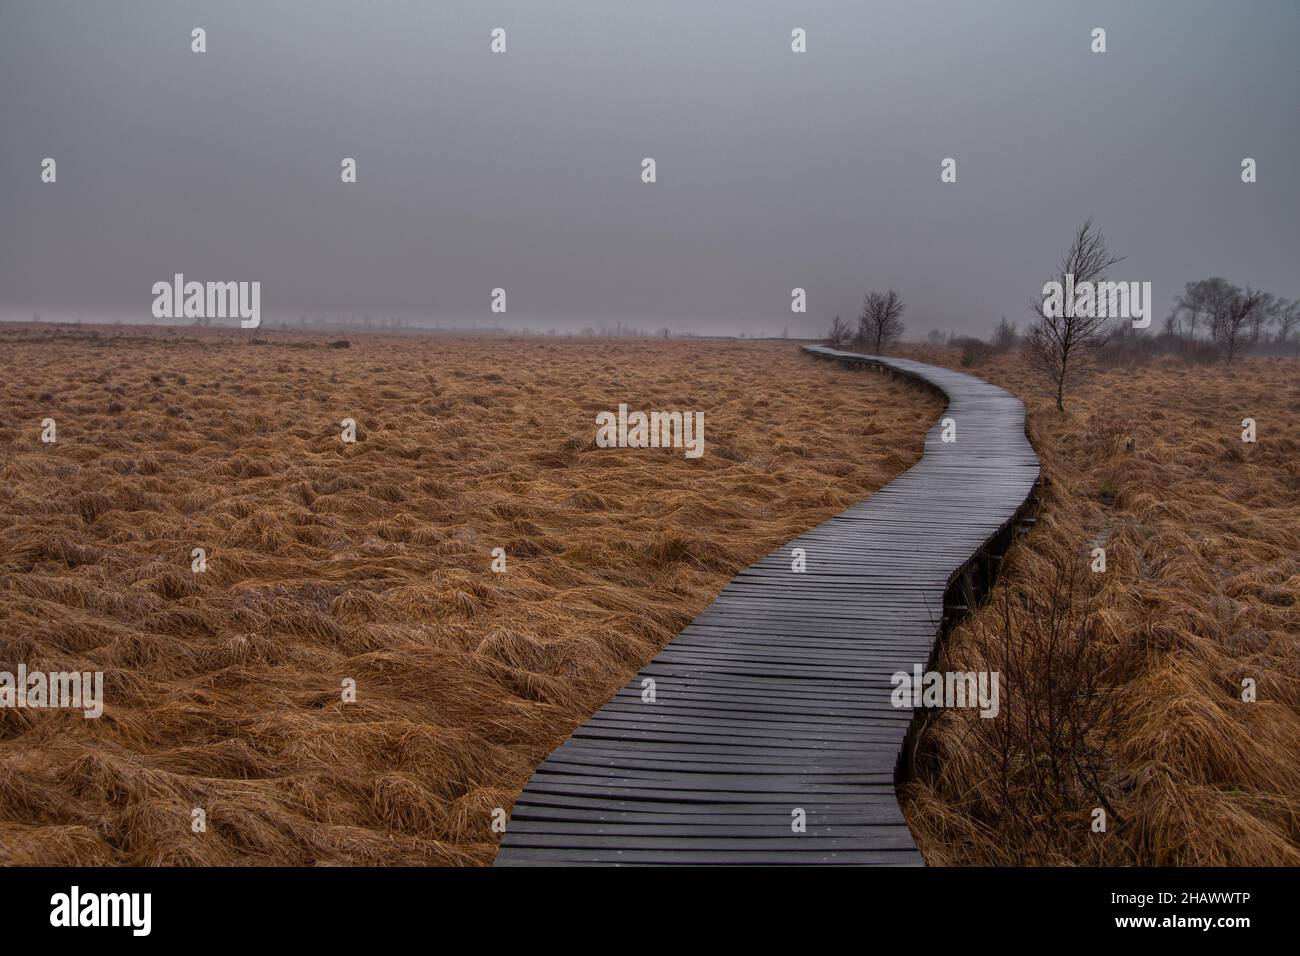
x=1004 y=336
x=1206 y=298
x=1236 y=319
x=1186 y=311
x=1263 y=316
x=881 y=322
x=1056 y=344
x=1288 y=317
x=937 y=337
x=1173 y=321
x=840 y=334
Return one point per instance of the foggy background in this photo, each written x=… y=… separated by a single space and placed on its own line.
x=522 y=170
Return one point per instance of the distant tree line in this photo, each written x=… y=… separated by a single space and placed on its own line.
x=1233 y=318
x=1211 y=320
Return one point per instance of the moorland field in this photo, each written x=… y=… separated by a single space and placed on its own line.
x=370 y=561
x=1124 y=686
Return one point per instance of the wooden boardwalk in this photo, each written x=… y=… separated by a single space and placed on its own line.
x=777 y=697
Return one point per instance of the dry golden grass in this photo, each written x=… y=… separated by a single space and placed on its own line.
x=1202 y=590
x=370 y=561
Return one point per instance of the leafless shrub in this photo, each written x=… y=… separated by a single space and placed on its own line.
x=1004 y=336
x=974 y=352
x=1044 y=752
x=1127 y=348
x=840 y=334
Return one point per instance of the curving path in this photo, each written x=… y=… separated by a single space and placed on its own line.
x=777 y=697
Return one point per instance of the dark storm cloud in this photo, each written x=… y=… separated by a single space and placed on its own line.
x=522 y=170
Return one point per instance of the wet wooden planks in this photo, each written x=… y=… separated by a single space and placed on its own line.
x=774 y=703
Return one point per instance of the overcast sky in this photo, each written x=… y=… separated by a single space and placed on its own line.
x=523 y=170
